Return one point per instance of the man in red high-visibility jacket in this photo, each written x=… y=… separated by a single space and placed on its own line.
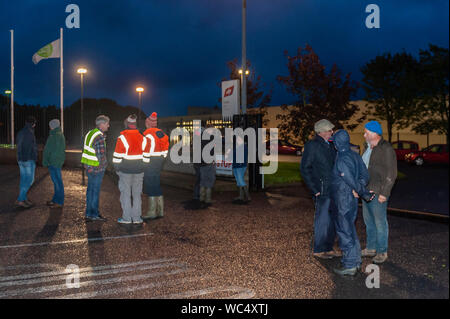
x=128 y=159
x=159 y=148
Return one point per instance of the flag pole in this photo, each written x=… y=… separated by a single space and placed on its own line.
x=62 y=82
x=12 y=88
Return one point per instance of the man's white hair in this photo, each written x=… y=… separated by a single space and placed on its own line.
x=101 y=119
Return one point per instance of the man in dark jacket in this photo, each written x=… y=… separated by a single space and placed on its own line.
x=349 y=178
x=381 y=162
x=26 y=157
x=316 y=166
x=53 y=158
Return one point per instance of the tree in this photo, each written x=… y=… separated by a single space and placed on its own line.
x=319 y=95
x=257 y=99
x=432 y=113
x=391 y=86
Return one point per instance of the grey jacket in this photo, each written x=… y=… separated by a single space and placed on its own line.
x=382 y=168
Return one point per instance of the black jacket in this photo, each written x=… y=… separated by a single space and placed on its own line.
x=26 y=144
x=317 y=164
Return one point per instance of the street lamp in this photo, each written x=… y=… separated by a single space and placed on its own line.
x=82 y=71
x=247 y=72
x=140 y=89
x=8 y=92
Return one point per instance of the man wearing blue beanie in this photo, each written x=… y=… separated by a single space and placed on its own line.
x=381 y=162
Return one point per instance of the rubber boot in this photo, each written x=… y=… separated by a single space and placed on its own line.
x=246 y=194
x=208 y=199
x=240 y=198
x=202 y=194
x=160 y=206
x=151 y=213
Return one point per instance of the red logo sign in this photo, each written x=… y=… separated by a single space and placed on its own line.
x=229 y=91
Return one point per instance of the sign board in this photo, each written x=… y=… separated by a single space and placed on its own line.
x=223 y=167
x=230 y=98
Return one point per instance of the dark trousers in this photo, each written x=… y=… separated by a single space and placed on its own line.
x=346 y=230
x=152 y=176
x=324 y=224
x=197 y=182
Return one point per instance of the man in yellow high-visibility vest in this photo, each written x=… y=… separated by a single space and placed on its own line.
x=95 y=163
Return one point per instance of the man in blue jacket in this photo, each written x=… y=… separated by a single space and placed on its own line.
x=349 y=180
x=316 y=166
x=26 y=158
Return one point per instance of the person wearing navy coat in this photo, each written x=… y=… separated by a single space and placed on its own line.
x=348 y=182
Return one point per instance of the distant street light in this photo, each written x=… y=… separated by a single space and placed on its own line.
x=140 y=89
x=82 y=71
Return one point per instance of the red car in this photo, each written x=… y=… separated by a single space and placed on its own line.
x=402 y=148
x=285 y=147
x=436 y=153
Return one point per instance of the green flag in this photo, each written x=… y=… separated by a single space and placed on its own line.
x=51 y=50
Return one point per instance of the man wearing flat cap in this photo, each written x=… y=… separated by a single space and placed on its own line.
x=316 y=170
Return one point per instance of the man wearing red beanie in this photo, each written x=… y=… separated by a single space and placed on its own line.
x=159 y=147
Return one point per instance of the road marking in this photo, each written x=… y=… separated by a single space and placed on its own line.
x=88 y=274
x=75 y=241
x=98 y=268
x=38 y=290
x=128 y=289
x=149 y=274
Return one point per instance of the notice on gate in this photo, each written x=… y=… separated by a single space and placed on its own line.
x=223 y=167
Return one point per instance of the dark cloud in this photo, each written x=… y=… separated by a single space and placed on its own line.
x=178 y=49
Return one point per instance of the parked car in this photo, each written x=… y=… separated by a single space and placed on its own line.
x=284 y=147
x=436 y=153
x=402 y=148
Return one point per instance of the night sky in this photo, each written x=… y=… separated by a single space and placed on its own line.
x=178 y=49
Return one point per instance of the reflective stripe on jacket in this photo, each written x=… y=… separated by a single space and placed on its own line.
x=131 y=152
x=89 y=157
x=159 y=142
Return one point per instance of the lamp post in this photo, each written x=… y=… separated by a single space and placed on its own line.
x=8 y=93
x=244 y=58
x=140 y=89
x=82 y=71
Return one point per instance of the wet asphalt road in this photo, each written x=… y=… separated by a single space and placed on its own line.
x=257 y=251
x=425 y=188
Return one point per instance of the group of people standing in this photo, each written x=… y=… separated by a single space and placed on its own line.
x=53 y=158
x=138 y=159
x=337 y=177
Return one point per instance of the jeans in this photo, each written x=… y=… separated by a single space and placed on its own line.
x=324 y=224
x=58 y=186
x=93 y=193
x=239 y=175
x=130 y=185
x=27 y=170
x=377 y=228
